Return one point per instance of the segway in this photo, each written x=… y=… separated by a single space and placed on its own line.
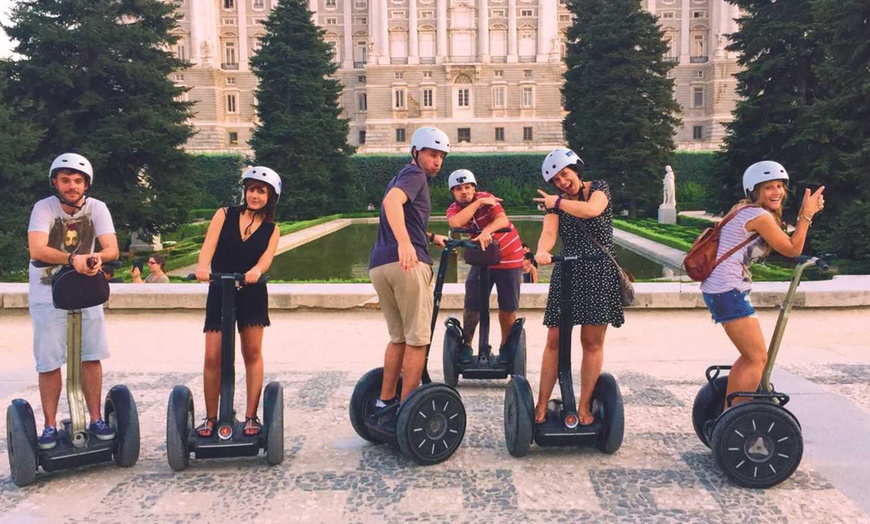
x=430 y=423
x=228 y=437
x=757 y=444
x=75 y=446
x=562 y=425
x=512 y=357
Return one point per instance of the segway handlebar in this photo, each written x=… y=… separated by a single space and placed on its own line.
x=821 y=261
x=478 y=231
x=238 y=277
x=454 y=243
x=91 y=262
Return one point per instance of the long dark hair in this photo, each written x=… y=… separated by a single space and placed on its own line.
x=268 y=211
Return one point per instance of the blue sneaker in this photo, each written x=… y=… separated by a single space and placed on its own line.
x=101 y=430
x=466 y=354
x=48 y=439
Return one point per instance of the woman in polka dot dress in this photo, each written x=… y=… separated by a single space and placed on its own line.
x=595 y=295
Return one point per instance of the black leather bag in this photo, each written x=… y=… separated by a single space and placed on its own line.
x=483 y=257
x=73 y=290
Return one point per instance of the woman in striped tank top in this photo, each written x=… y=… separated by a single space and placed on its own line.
x=758 y=222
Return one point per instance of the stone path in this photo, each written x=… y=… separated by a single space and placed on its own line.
x=661 y=474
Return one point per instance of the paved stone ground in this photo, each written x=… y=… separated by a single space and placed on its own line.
x=661 y=474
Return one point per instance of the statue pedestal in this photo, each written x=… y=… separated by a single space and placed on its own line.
x=138 y=245
x=667 y=214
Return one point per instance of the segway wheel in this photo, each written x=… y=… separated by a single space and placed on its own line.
x=179 y=423
x=273 y=418
x=450 y=358
x=709 y=403
x=518 y=367
x=608 y=408
x=519 y=416
x=120 y=413
x=362 y=401
x=757 y=444
x=21 y=442
x=431 y=424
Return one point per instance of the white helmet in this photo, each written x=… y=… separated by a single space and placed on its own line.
x=74 y=162
x=557 y=160
x=459 y=177
x=763 y=171
x=430 y=137
x=265 y=175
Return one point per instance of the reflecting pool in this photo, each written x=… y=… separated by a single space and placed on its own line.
x=344 y=255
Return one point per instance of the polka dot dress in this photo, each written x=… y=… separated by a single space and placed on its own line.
x=595 y=286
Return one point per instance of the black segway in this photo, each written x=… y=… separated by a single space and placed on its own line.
x=561 y=427
x=228 y=438
x=757 y=444
x=75 y=446
x=431 y=422
x=512 y=357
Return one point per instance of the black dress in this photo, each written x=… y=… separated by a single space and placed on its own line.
x=595 y=285
x=234 y=255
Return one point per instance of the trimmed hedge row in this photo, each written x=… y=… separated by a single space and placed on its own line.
x=514 y=177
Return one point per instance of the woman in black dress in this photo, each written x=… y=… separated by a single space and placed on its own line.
x=240 y=239
x=595 y=287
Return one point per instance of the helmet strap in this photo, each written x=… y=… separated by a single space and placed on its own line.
x=76 y=208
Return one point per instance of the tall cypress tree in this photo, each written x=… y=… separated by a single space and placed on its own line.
x=778 y=49
x=94 y=74
x=301 y=132
x=840 y=123
x=20 y=178
x=622 y=113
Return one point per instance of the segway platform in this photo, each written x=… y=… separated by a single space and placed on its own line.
x=228 y=437
x=562 y=425
x=73 y=291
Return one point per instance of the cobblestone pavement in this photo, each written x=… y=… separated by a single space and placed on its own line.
x=662 y=473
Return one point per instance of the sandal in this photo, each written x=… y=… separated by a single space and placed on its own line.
x=253 y=426
x=206 y=429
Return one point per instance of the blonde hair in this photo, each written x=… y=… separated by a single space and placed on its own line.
x=754 y=202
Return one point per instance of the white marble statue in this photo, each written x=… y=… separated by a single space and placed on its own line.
x=669 y=190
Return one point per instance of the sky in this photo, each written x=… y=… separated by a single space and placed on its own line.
x=5 y=44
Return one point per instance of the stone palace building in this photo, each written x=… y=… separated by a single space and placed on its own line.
x=488 y=72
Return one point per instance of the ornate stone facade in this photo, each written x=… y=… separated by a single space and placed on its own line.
x=407 y=63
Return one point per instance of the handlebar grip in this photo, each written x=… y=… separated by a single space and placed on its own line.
x=238 y=277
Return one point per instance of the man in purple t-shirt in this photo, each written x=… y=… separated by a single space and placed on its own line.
x=400 y=269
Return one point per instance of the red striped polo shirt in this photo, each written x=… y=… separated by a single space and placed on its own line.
x=509 y=243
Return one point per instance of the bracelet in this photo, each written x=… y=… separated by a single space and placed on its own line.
x=69 y=259
x=432 y=238
x=558 y=203
x=808 y=219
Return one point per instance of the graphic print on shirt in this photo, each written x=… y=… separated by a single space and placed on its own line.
x=73 y=235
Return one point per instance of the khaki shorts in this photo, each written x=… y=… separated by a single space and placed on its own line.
x=406 y=300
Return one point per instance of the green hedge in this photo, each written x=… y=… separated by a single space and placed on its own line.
x=514 y=177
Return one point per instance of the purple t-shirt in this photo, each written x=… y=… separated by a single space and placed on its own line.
x=414 y=182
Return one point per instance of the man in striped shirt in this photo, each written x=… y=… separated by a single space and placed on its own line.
x=481 y=211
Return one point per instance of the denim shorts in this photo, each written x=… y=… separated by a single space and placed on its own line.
x=729 y=305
